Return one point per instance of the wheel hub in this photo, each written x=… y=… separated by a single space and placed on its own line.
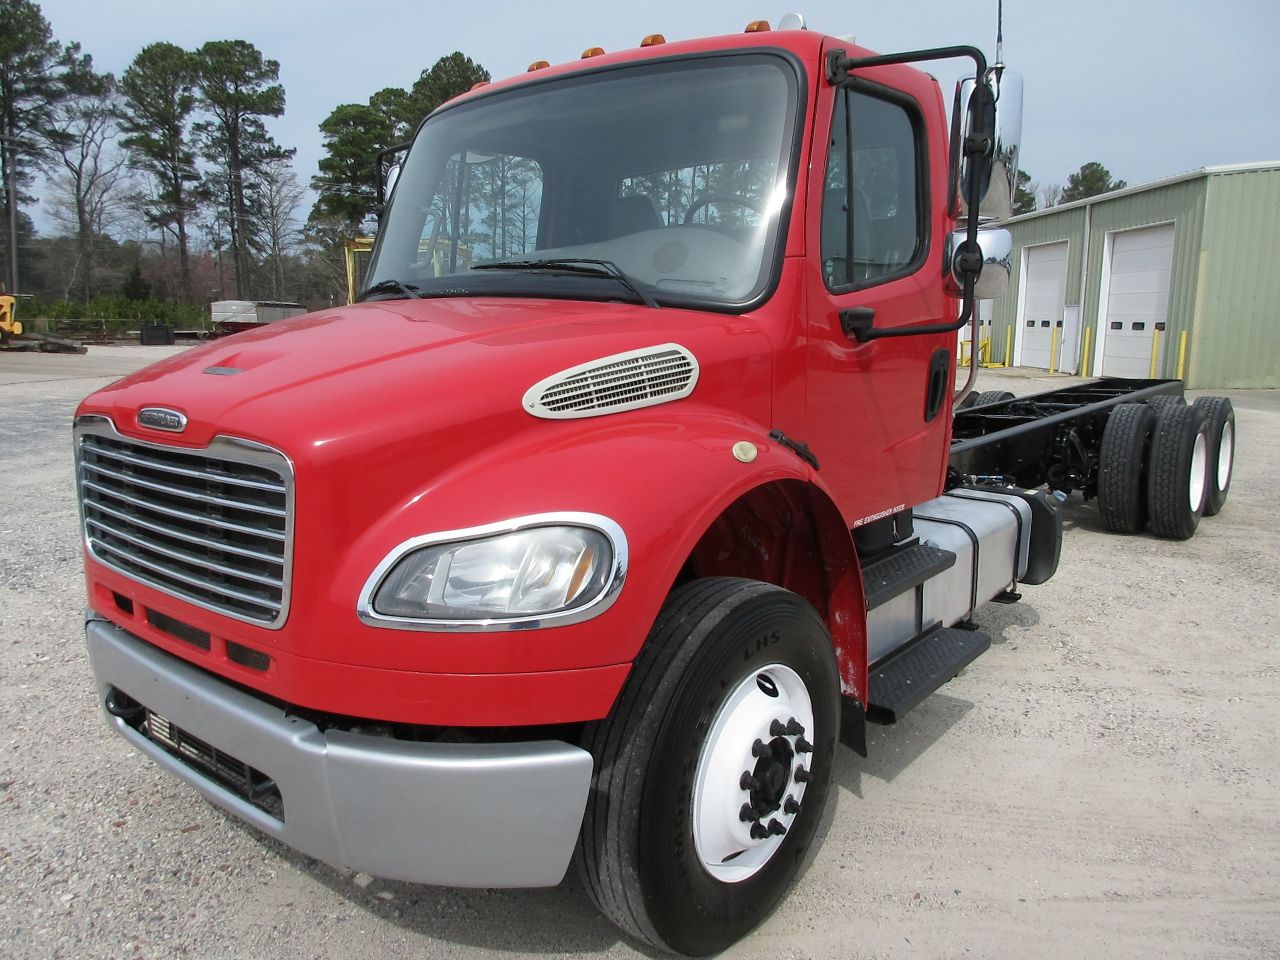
x=752 y=773
x=773 y=774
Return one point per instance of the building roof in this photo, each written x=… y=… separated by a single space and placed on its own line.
x=1213 y=171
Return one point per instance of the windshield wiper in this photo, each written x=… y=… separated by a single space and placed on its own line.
x=390 y=286
x=586 y=266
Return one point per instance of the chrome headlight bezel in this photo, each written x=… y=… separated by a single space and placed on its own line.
x=612 y=585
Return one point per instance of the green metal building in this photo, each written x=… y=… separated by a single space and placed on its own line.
x=1180 y=276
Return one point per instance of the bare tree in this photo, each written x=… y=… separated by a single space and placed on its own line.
x=280 y=195
x=92 y=172
x=1049 y=195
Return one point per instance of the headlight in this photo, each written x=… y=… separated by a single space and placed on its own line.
x=522 y=571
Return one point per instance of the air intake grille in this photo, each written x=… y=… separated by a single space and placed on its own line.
x=236 y=775
x=624 y=381
x=212 y=527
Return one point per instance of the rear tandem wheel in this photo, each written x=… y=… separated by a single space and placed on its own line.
x=1123 y=465
x=1222 y=448
x=1178 y=475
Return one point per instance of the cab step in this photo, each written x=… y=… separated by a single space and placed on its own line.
x=901 y=569
x=910 y=674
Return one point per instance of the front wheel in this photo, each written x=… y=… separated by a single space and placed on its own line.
x=713 y=769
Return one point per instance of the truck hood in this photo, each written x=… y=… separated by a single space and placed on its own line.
x=377 y=382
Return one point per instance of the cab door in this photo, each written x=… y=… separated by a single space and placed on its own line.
x=877 y=219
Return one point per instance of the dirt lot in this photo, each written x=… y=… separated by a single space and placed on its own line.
x=1102 y=783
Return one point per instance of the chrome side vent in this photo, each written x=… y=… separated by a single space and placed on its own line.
x=623 y=381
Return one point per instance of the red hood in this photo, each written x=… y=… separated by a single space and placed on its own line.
x=385 y=380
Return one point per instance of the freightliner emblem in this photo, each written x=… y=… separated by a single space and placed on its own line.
x=161 y=418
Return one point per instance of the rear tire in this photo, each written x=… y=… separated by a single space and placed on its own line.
x=652 y=855
x=1222 y=448
x=1178 y=475
x=1165 y=401
x=1122 y=467
x=993 y=396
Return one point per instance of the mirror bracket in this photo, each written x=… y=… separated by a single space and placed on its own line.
x=978 y=143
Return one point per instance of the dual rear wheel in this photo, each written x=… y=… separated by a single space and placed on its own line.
x=1165 y=464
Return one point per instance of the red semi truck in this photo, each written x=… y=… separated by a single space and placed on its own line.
x=636 y=481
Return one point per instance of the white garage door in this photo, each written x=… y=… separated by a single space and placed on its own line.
x=1137 y=299
x=1044 y=294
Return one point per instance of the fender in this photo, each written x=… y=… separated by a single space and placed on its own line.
x=664 y=479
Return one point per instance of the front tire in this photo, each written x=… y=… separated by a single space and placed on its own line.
x=705 y=751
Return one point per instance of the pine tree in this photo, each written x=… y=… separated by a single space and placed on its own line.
x=238 y=88
x=159 y=97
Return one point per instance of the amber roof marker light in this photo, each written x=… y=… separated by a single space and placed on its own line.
x=757 y=26
x=592 y=52
x=652 y=40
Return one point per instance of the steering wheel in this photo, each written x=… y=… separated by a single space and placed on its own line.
x=711 y=198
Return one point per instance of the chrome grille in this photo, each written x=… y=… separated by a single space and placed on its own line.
x=213 y=527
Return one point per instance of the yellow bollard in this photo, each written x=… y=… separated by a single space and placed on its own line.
x=1155 y=353
x=1053 y=350
x=1182 y=356
x=1008 y=347
x=1088 y=342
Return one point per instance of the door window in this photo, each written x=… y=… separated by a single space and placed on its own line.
x=872 y=228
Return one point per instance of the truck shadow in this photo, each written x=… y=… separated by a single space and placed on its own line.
x=1078 y=515
x=892 y=749
x=995 y=619
x=555 y=920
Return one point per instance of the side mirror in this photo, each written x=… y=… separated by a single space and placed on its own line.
x=1000 y=101
x=390 y=178
x=996 y=246
x=387 y=166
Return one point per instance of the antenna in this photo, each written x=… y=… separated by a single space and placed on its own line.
x=999 y=34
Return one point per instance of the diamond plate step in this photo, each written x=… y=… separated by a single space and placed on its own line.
x=902 y=569
x=909 y=675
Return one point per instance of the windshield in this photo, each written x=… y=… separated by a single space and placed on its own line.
x=673 y=174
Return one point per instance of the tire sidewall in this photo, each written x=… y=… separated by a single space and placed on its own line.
x=1173 y=450
x=693 y=912
x=1220 y=415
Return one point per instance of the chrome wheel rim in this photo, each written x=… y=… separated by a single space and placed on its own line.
x=752 y=773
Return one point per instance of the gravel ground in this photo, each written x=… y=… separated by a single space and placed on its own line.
x=1102 y=782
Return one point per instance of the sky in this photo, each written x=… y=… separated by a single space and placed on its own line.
x=1150 y=89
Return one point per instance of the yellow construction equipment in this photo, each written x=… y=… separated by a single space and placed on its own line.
x=354 y=247
x=9 y=324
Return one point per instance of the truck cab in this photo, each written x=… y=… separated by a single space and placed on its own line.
x=593 y=527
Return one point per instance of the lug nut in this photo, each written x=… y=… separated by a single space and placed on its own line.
x=790 y=806
x=776 y=828
x=748 y=782
x=803 y=745
x=802 y=775
x=760 y=749
x=759 y=831
x=793 y=728
x=777 y=729
x=747 y=814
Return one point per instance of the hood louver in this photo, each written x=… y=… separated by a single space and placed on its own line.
x=624 y=381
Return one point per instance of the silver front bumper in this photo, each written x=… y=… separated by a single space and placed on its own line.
x=463 y=815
